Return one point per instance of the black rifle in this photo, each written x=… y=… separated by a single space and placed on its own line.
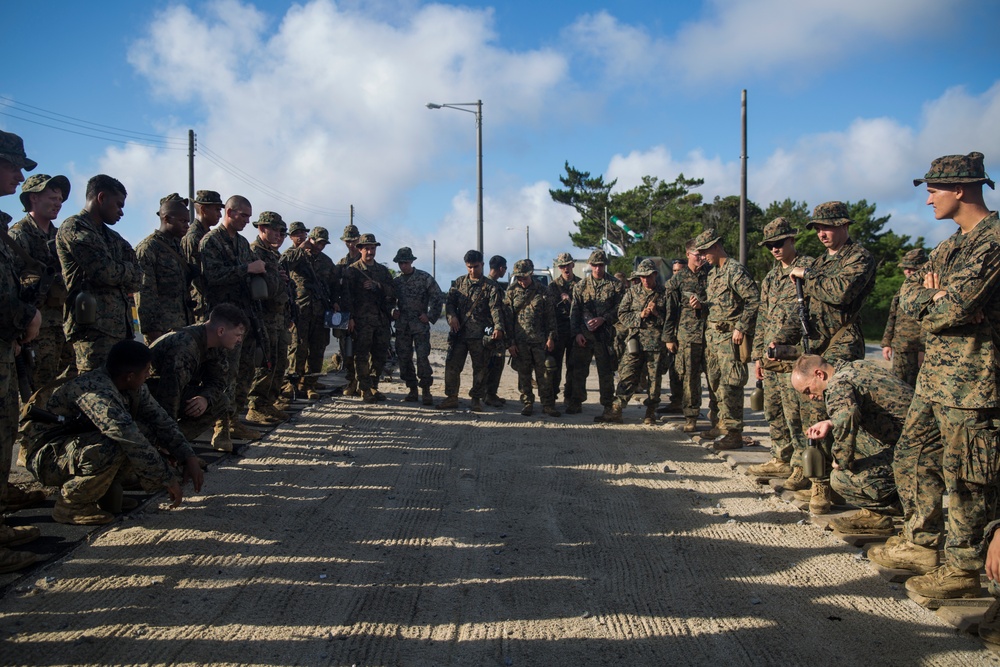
x=803 y=314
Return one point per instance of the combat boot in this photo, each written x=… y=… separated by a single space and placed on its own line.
x=690 y=424
x=352 y=389
x=241 y=431
x=12 y=536
x=80 y=514
x=379 y=396
x=713 y=432
x=411 y=396
x=477 y=405
x=573 y=408
x=796 y=481
x=19 y=499
x=256 y=416
x=495 y=401
x=671 y=409
x=946 y=581
x=733 y=439
x=426 y=396
x=821 y=498
x=314 y=395
x=368 y=396
x=274 y=411
x=551 y=411
x=650 y=418
x=449 y=403
x=221 y=439
x=11 y=561
x=901 y=554
x=612 y=414
x=528 y=409
x=863 y=522
x=989 y=627
x=773 y=468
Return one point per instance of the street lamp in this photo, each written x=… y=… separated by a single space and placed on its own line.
x=460 y=106
x=527 y=239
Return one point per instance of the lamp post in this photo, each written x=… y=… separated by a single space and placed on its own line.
x=527 y=239
x=460 y=106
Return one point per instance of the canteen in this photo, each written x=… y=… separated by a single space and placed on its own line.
x=813 y=462
x=258 y=288
x=348 y=347
x=550 y=362
x=85 y=308
x=632 y=346
x=757 y=397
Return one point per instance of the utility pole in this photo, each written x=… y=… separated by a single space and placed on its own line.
x=743 y=184
x=352 y=214
x=434 y=259
x=191 y=173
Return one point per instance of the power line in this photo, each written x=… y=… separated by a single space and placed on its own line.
x=93 y=136
x=89 y=125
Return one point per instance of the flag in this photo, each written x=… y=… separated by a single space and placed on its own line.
x=612 y=249
x=636 y=235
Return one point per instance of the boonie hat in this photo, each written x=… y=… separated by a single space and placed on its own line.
x=297 y=227
x=208 y=197
x=269 y=219
x=39 y=182
x=564 y=259
x=12 y=150
x=598 y=257
x=319 y=234
x=350 y=233
x=832 y=213
x=367 y=239
x=404 y=254
x=645 y=268
x=957 y=169
x=777 y=230
x=706 y=240
x=523 y=267
x=913 y=259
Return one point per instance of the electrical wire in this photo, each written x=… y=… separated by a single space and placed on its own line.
x=86 y=124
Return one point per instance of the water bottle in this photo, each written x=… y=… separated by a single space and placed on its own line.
x=813 y=462
x=85 y=308
x=757 y=397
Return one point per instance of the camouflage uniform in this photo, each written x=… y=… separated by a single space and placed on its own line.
x=902 y=333
x=732 y=298
x=97 y=260
x=686 y=327
x=533 y=319
x=595 y=298
x=867 y=406
x=496 y=356
x=184 y=367
x=476 y=305
x=190 y=247
x=350 y=372
x=52 y=354
x=164 y=298
x=561 y=294
x=126 y=428
x=649 y=331
x=417 y=294
x=372 y=317
x=267 y=381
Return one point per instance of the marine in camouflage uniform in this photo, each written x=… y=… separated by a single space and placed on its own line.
x=52 y=354
x=419 y=303
x=903 y=340
x=350 y=238
x=561 y=295
x=732 y=298
x=949 y=442
x=533 y=333
x=95 y=259
x=592 y=316
x=123 y=426
x=208 y=211
x=643 y=313
x=496 y=355
x=784 y=410
x=267 y=382
x=371 y=289
x=685 y=331
x=164 y=299
x=472 y=306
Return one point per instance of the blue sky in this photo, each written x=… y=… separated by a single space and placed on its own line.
x=324 y=102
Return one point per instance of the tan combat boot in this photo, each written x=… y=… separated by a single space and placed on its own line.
x=476 y=406
x=713 y=432
x=528 y=409
x=80 y=514
x=352 y=389
x=551 y=411
x=690 y=424
x=259 y=416
x=12 y=536
x=989 y=627
x=19 y=499
x=901 y=554
x=426 y=397
x=774 y=468
x=274 y=411
x=221 y=439
x=241 y=431
x=411 y=396
x=449 y=403
x=863 y=522
x=946 y=581
x=821 y=498
x=650 y=418
x=733 y=439
x=11 y=561
x=796 y=481
x=612 y=414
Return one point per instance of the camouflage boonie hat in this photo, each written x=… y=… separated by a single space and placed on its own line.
x=913 y=259
x=832 y=213
x=351 y=233
x=297 y=227
x=645 y=268
x=269 y=219
x=598 y=257
x=957 y=169
x=706 y=240
x=208 y=197
x=319 y=234
x=12 y=150
x=404 y=254
x=172 y=197
x=39 y=182
x=564 y=259
x=523 y=267
x=777 y=230
x=367 y=239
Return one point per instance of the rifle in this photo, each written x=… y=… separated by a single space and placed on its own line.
x=813 y=460
x=24 y=364
x=803 y=314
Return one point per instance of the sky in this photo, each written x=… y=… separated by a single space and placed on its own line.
x=311 y=108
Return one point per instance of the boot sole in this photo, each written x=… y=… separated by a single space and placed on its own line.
x=866 y=531
x=29 y=559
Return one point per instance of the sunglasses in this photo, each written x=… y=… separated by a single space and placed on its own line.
x=772 y=245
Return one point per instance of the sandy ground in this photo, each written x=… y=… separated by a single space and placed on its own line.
x=396 y=534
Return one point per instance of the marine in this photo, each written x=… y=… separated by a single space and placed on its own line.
x=164 y=299
x=207 y=211
x=419 y=302
x=903 y=340
x=561 y=294
x=532 y=334
x=373 y=297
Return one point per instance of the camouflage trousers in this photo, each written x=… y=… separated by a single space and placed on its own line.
x=954 y=451
x=52 y=355
x=727 y=376
x=905 y=366
x=563 y=355
x=8 y=423
x=530 y=360
x=603 y=354
x=868 y=481
x=689 y=362
x=458 y=350
x=676 y=386
x=84 y=466
x=239 y=376
x=91 y=354
x=630 y=370
x=408 y=344
x=371 y=349
x=350 y=367
x=266 y=384
x=495 y=362
x=786 y=412
x=309 y=340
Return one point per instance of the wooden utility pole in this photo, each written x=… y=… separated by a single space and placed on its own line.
x=743 y=184
x=191 y=173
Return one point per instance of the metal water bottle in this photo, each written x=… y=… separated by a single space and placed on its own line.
x=757 y=397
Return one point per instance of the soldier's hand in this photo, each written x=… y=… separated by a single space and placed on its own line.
x=672 y=348
x=977 y=317
x=193 y=472
x=550 y=345
x=176 y=495
x=819 y=430
x=993 y=558
x=513 y=350
x=350 y=325
x=395 y=313
x=256 y=266
x=887 y=353
x=932 y=280
x=797 y=273
x=423 y=318
x=497 y=334
x=31 y=333
x=581 y=340
x=283 y=274
x=758 y=372
x=737 y=337
x=368 y=284
x=454 y=324
x=565 y=297
x=195 y=407
x=694 y=302
x=594 y=323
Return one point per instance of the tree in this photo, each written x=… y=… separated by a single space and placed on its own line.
x=590 y=196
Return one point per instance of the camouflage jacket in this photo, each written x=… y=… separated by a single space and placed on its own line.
x=684 y=323
x=417 y=294
x=19 y=313
x=118 y=417
x=42 y=246
x=835 y=288
x=190 y=247
x=96 y=259
x=372 y=307
x=778 y=305
x=164 y=299
x=476 y=304
x=561 y=294
x=902 y=332
x=183 y=358
x=224 y=260
x=277 y=289
x=649 y=330
x=533 y=315
x=595 y=298
x=732 y=298
x=962 y=361
x=348 y=259
x=863 y=396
